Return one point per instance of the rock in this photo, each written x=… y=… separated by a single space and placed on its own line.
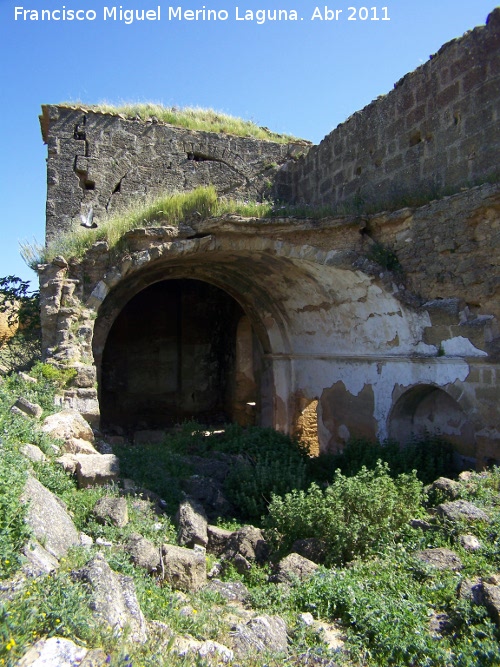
x=471 y=589
x=27 y=378
x=209 y=492
x=54 y=651
x=50 y=522
x=143 y=553
x=461 y=510
x=85 y=375
x=113 y=598
x=207 y=649
x=491 y=599
x=184 y=569
x=68 y=462
x=234 y=591
x=33 y=453
x=218 y=539
x=439 y=624
x=192 y=522
x=30 y=409
x=442 y=559
x=262 y=633
x=78 y=446
x=111 y=510
x=470 y=543
x=96 y=469
x=101 y=542
x=39 y=560
x=68 y=424
x=447 y=487
x=86 y=540
x=420 y=524
x=311 y=548
x=249 y=543
x=294 y=568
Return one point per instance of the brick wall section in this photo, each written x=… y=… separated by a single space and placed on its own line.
x=101 y=161
x=438 y=130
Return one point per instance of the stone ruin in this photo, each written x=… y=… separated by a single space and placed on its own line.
x=372 y=324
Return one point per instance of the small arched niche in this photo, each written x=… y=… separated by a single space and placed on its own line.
x=429 y=410
x=179 y=349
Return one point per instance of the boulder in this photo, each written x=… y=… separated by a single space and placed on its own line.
x=66 y=425
x=262 y=633
x=33 y=453
x=113 y=598
x=111 y=510
x=470 y=543
x=96 y=469
x=447 y=487
x=491 y=599
x=68 y=462
x=78 y=446
x=461 y=510
x=48 y=519
x=249 y=543
x=192 y=522
x=207 y=649
x=234 y=591
x=218 y=539
x=311 y=548
x=143 y=553
x=184 y=569
x=442 y=559
x=38 y=560
x=210 y=493
x=28 y=408
x=294 y=568
x=61 y=652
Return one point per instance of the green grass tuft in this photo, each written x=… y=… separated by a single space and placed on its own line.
x=192 y=118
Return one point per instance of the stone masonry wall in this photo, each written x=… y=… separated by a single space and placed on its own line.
x=103 y=161
x=437 y=131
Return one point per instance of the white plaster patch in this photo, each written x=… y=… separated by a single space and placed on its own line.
x=461 y=347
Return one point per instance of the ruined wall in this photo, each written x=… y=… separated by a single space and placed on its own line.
x=437 y=131
x=103 y=162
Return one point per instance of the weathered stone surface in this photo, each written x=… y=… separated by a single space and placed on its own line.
x=29 y=408
x=249 y=543
x=27 y=378
x=66 y=425
x=311 y=548
x=442 y=559
x=292 y=568
x=143 y=553
x=39 y=560
x=111 y=510
x=470 y=542
x=96 y=469
x=262 y=633
x=234 y=591
x=56 y=651
x=448 y=487
x=208 y=492
x=33 y=453
x=461 y=510
x=47 y=518
x=491 y=598
x=192 y=523
x=68 y=463
x=114 y=600
x=78 y=446
x=218 y=539
x=185 y=569
x=207 y=649
x=471 y=589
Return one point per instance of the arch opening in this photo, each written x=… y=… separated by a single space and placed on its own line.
x=428 y=410
x=180 y=349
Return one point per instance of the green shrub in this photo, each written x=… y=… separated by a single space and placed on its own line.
x=431 y=457
x=355 y=515
x=13 y=530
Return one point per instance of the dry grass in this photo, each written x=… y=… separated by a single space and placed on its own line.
x=192 y=118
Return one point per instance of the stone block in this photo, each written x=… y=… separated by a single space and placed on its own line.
x=96 y=469
x=185 y=569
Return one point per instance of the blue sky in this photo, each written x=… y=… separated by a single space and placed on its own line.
x=302 y=77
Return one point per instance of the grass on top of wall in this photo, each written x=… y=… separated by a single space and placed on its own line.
x=192 y=118
x=170 y=209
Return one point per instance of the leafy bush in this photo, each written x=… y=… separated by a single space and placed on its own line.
x=22 y=308
x=355 y=515
x=431 y=457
